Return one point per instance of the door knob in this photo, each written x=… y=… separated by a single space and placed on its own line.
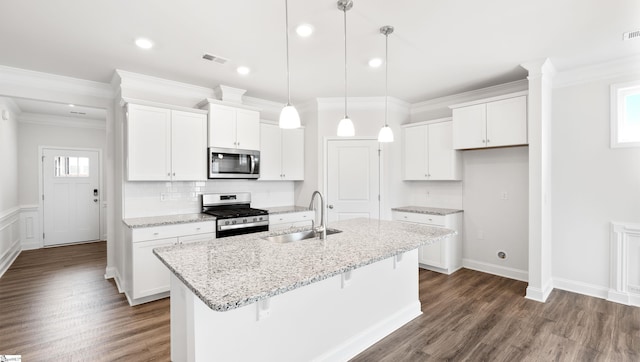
x=330 y=206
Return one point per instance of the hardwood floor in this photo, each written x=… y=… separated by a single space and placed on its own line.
x=55 y=305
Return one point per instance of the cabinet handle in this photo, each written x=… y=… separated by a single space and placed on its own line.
x=174 y=174
x=156 y=233
x=484 y=141
x=197 y=229
x=405 y=217
x=168 y=173
x=488 y=140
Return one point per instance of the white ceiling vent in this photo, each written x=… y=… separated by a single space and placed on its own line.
x=631 y=35
x=215 y=58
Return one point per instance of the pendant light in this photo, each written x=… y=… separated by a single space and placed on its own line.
x=289 y=117
x=345 y=127
x=386 y=134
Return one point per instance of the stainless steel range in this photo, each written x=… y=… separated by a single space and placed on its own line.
x=234 y=214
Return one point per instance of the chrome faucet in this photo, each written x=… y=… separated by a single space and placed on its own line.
x=322 y=228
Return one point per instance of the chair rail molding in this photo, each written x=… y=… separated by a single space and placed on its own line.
x=9 y=238
x=625 y=264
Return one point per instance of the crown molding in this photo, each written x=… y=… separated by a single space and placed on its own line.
x=627 y=66
x=51 y=82
x=268 y=109
x=11 y=105
x=131 y=83
x=493 y=91
x=58 y=121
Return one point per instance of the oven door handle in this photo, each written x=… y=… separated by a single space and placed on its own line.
x=253 y=164
x=241 y=226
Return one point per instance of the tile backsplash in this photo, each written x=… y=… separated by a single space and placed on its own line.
x=181 y=197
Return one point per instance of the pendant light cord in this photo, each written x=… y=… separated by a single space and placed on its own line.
x=345 y=62
x=286 y=22
x=386 y=78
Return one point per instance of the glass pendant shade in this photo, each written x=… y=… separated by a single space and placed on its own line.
x=385 y=134
x=345 y=128
x=289 y=117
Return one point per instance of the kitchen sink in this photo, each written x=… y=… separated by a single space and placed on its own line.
x=300 y=235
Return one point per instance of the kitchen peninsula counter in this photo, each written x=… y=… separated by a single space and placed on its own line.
x=247 y=298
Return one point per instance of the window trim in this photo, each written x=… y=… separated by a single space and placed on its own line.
x=618 y=92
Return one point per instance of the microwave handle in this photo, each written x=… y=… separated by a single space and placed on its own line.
x=253 y=164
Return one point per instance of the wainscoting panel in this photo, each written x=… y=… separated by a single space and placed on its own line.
x=30 y=232
x=9 y=238
x=625 y=264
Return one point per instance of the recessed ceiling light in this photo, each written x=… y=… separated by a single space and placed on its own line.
x=144 y=43
x=375 y=62
x=71 y=105
x=304 y=30
x=243 y=70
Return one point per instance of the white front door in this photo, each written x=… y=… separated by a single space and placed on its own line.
x=71 y=199
x=353 y=180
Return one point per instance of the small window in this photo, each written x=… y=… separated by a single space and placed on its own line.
x=625 y=115
x=71 y=166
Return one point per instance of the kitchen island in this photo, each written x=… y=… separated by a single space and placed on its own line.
x=247 y=298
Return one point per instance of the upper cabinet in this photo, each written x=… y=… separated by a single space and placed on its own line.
x=281 y=153
x=428 y=151
x=165 y=144
x=232 y=127
x=495 y=122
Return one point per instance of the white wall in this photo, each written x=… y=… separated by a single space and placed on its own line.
x=492 y=223
x=9 y=206
x=592 y=185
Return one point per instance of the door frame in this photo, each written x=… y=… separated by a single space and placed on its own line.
x=101 y=199
x=325 y=168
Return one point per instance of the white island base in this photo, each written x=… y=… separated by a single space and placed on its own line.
x=330 y=320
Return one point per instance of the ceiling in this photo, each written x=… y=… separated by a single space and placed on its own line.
x=439 y=47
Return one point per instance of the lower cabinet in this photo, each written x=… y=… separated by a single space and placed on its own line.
x=290 y=219
x=148 y=278
x=444 y=256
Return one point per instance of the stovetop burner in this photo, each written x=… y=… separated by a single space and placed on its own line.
x=225 y=213
x=234 y=214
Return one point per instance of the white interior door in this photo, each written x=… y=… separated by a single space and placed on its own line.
x=71 y=199
x=353 y=180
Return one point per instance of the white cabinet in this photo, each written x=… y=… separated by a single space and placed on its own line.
x=444 y=256
x=165 y=144
x=281 y=153
x=233 y=127
x=148 y=277
x=490 y=123
x=429 y=153
x=290 y=219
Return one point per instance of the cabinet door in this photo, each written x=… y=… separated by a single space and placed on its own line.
x=415 y=153
x=222 y=126
x=270 y=152
x=248 y=129
x=434 y=254
x=188 y=146
x=469 y=127
x=196 y=238
x=507 y=122
x=293 y=154
x=150 y=276
x=443 y=159
x=148 y=143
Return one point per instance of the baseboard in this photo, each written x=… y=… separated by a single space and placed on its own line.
x=440 y=270
x=109 y=272
x=31 y=245
x=581 y=288
x=540 y=295
x=9 y=257
x=353 y=346
x=498 y=270
x=119 y=282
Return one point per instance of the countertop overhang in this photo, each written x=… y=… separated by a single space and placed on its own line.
x=231 y=272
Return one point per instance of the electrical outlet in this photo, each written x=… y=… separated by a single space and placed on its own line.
x=504 y=195
x=164 y=196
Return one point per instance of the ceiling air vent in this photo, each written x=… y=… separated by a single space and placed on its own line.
x=631 y=35
x=215 y=58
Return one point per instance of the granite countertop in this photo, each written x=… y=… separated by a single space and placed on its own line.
x=426 y=210
x=143 y=222
x=231 y=272
x=285 y=209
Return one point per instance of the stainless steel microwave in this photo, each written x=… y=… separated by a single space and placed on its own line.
x=233 y=163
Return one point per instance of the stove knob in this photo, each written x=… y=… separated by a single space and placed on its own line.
x=244 y=221
x=233 y=222
x=226 y=223
x=260 y=218
x=255 y=219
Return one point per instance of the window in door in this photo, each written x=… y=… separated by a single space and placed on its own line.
x=65 y=166
x=625 y=115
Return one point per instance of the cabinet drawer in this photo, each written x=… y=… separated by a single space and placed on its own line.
x=290 y=217
x=170 y=231
x=435 y=220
